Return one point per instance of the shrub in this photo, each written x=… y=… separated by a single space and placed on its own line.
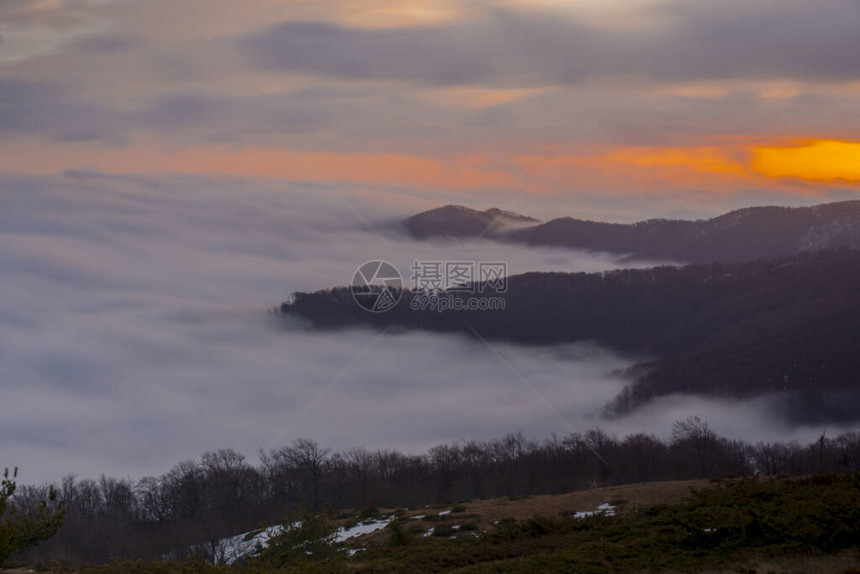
x=399 y=536
x=369 y=513
x=444 y=530
x=313 y=538
x=19 y=531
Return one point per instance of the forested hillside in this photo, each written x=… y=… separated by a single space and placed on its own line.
x=785 y=326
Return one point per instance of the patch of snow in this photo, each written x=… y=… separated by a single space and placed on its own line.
x=429 y=532
x=344 y=534
x=353 y=551
x=231 y=549
x=444 y=512
x=604 y=509
x=417 y=517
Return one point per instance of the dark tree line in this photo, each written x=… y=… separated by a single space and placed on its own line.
x=196 y=503
x=785 y=327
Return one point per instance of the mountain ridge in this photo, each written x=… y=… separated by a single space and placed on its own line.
x=744 y=234
x=459 y=221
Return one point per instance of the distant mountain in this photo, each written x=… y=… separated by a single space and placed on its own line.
x=458 y=221
x=785 y=327
x=742 y=235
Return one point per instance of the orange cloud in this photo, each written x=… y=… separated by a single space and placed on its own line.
x=822 y=160
x=714 y=168
x=720 y=169
x=399 y=13
x=695 y=159
x=464 y=172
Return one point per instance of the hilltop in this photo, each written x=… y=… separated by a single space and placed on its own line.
x=740 y=235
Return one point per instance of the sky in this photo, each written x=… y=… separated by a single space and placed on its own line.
x=609 y=109
x=171 y=170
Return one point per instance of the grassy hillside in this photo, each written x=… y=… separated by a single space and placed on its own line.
x=787 y=524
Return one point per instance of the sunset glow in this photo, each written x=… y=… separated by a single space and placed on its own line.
x=824 y=160
x=569 y=99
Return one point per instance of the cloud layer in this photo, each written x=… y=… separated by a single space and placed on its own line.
x=134 y=333
x=691 y=41
x=467 y=94
x=135 y=330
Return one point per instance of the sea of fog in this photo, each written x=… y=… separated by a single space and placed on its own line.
x=134 y=333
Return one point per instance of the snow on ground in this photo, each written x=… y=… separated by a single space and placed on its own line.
x=344 y=534
x=604 y=509
x=234 y=548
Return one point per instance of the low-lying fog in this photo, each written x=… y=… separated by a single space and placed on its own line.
x=134 y=333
